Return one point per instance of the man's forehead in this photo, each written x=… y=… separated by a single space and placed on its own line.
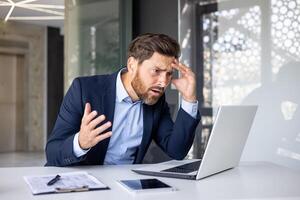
x=165 y=65
x=160 y=61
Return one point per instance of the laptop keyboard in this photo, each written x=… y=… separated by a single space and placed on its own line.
x=186 y=168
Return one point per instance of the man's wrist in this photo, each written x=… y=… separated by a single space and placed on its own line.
x=80 y=145
x=192 y=99
x=190 y=107
x=77 y=150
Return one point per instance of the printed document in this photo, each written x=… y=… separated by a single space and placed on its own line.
x=72 y=181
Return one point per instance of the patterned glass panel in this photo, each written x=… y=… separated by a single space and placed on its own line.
x=231 y=56
x=251 y=56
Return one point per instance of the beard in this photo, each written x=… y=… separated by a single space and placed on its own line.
x=144 y=93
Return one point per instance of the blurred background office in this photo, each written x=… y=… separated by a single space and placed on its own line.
x=243 y=52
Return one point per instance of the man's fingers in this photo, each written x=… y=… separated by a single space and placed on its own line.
x=92 y=125
x=87 y=109
x=103 y=136
x=88 y=118
x=101 y=128
x=180 y=67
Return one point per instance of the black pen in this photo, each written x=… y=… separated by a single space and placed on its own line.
x=54 y=180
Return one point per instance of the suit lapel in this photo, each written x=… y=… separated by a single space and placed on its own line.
x=107 y=107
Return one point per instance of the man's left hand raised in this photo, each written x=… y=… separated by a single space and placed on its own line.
x=186 y=83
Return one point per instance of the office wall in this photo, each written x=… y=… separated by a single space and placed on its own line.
x=158 y=16
x=26 y=43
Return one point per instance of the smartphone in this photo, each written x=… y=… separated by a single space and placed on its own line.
x=145 y=185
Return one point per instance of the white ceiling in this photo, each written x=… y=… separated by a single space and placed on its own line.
x=41 y=12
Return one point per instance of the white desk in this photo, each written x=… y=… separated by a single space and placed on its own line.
x=248 y=181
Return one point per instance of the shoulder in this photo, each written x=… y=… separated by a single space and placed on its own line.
x=97 y=81
x=91 y=85
x=92 y=80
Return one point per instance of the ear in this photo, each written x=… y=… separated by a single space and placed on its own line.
x=132 y=65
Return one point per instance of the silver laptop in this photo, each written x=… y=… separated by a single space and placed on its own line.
x=223 y=151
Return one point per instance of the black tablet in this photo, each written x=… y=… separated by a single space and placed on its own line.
x=146 y=185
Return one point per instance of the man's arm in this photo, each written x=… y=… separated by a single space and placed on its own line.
x=176 y=138
x=59 y=148
x=73 y=121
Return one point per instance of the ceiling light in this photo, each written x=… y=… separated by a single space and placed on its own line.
x=9 y=12
x=45 y=6
x=27 y=4
x=25 y=1
x=42 y=10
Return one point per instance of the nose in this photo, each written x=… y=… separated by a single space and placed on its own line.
x=163 y=80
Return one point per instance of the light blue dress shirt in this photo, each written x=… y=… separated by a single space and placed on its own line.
x=127 y=129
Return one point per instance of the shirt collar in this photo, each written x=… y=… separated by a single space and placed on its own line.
x=121 y=91
x=122 y=94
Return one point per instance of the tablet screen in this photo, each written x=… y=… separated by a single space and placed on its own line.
x=142 y=184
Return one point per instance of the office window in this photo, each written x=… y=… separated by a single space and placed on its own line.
x=247 y=52
x=97 y=34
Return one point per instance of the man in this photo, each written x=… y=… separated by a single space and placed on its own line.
x=111 y=119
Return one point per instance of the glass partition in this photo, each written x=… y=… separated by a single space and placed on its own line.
x=247 y=52
x=97 y=34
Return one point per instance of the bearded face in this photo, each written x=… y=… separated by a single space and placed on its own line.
x=151 y=77
x=150 y=95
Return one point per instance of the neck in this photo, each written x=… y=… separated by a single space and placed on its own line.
x=126 y=80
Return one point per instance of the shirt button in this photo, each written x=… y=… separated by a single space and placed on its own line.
x=194 y=109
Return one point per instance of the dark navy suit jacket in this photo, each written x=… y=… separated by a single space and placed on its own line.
x=100 y=91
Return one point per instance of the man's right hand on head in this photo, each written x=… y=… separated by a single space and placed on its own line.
x=90 y=134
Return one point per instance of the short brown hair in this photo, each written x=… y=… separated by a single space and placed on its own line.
x=143 y=47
